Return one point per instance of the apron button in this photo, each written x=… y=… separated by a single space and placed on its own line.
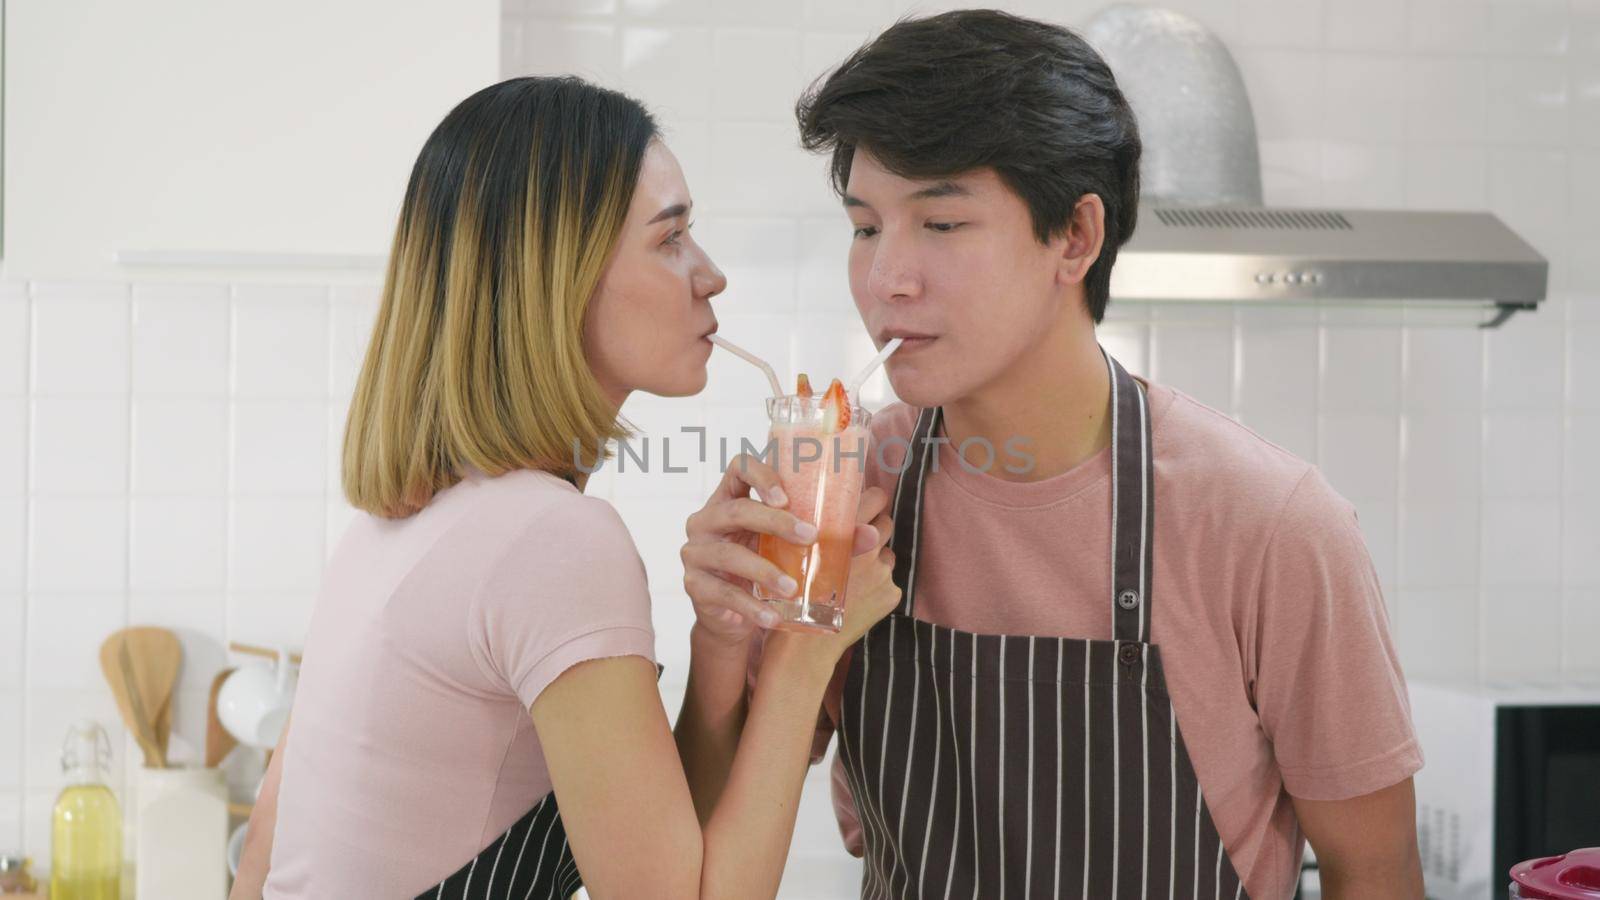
x=1128 y=599
x=1129 y=654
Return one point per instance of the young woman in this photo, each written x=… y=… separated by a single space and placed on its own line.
x=482 y=646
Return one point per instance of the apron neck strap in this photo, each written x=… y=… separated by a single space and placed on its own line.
x=906 y=509
x=1132 y=505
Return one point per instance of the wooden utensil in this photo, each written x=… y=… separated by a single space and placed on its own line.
x=218 y=740
x=141 y=665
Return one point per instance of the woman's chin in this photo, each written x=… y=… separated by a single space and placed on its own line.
x=688 y=384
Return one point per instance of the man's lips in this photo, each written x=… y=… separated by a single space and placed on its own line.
x=908 y=337
x=909 y=341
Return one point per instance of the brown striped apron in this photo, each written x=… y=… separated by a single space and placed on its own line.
x=531 y=860
x=993 y=766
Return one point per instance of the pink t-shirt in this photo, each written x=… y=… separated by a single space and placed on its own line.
x=1270 y=619
x=411 y=747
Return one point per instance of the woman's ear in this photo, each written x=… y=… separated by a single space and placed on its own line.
x=1085 y=233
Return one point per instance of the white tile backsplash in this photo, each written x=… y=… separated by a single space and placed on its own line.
x=180 y=339
x=80 y=340
x=77 y=543
x=178 y=544
x=1528 y=101
x=1581 y=631
x=13 y=343
x=1528 y=26
x=1521 y=542
x=1446 y=98
x=768 y=60
x=13 y=546
x=1439 y=543
x=669 y=68
x=280 y=342
x=275 y=544
x=1360 y=103
x=169 y=451
x=13 y=446
x=1523 y=367
x=180 y=445
x=278 y=447
x=80 y=444
x=1522 y=454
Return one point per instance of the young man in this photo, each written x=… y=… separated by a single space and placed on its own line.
x=1148 y=655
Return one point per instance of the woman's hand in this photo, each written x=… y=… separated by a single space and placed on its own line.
x=872 y=593
x=720 y=562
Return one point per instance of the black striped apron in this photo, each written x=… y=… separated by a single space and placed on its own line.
x=986 y=765
x=531 y=860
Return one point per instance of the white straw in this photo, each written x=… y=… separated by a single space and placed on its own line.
x=864 y=374
x=752 y=359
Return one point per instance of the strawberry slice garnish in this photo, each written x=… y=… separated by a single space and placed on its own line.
x=803 y=387
x=836 y=405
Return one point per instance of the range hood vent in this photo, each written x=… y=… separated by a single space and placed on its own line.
x=1278 y=255
x=1252 y=218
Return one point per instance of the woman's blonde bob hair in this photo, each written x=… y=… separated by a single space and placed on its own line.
x=476 y=359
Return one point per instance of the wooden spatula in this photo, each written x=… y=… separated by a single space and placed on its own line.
x=141 y=665
x=218 y=740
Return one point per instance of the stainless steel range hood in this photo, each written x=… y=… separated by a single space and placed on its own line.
x=1245 y=254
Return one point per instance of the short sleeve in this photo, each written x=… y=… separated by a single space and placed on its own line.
x=567 y=588
x=1328 y=690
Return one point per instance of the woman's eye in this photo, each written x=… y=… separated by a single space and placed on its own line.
x=865 y=231
x=944 y=227
x=672 y=239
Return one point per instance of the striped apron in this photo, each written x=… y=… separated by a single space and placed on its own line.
x=531 y=860
x=986 y=765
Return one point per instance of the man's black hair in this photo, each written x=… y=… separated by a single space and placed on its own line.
x=939 y=96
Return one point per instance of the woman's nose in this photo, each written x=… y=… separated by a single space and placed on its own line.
x=708 y=280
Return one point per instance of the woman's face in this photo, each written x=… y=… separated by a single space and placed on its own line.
x=646 y=327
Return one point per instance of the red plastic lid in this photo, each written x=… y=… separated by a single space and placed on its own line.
x=1571 y=876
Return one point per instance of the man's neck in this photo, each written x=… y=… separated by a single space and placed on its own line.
x=1055 y=399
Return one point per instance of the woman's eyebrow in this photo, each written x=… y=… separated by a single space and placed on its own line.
x=671 y=212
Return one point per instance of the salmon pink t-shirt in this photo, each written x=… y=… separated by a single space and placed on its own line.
x=1271 y=622
x=410 y=747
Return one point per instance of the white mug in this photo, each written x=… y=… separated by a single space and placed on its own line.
x=253 y=703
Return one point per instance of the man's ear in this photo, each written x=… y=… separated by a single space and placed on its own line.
x=1085 y=233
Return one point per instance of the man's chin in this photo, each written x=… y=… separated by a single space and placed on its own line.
x=922 y=388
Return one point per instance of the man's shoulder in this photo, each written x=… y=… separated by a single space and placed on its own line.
x=1237 y=472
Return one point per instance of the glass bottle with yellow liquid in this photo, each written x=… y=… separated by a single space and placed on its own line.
x=86 y=830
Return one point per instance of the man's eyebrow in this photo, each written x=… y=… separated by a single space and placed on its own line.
x=671 y=212
x=937 y=189
x=941 y=189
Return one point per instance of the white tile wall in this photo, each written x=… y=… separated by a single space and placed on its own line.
x=168 y=452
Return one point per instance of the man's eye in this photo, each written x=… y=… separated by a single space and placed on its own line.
x=944 y=227
x=866 y=231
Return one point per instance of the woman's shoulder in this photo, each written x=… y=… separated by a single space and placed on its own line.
x=537 y=510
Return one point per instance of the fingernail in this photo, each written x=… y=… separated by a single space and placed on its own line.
x=805 y=531
x=787 y=586
x=776 y=497
x=768 y=619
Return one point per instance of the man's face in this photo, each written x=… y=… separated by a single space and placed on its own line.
x=953 y=266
